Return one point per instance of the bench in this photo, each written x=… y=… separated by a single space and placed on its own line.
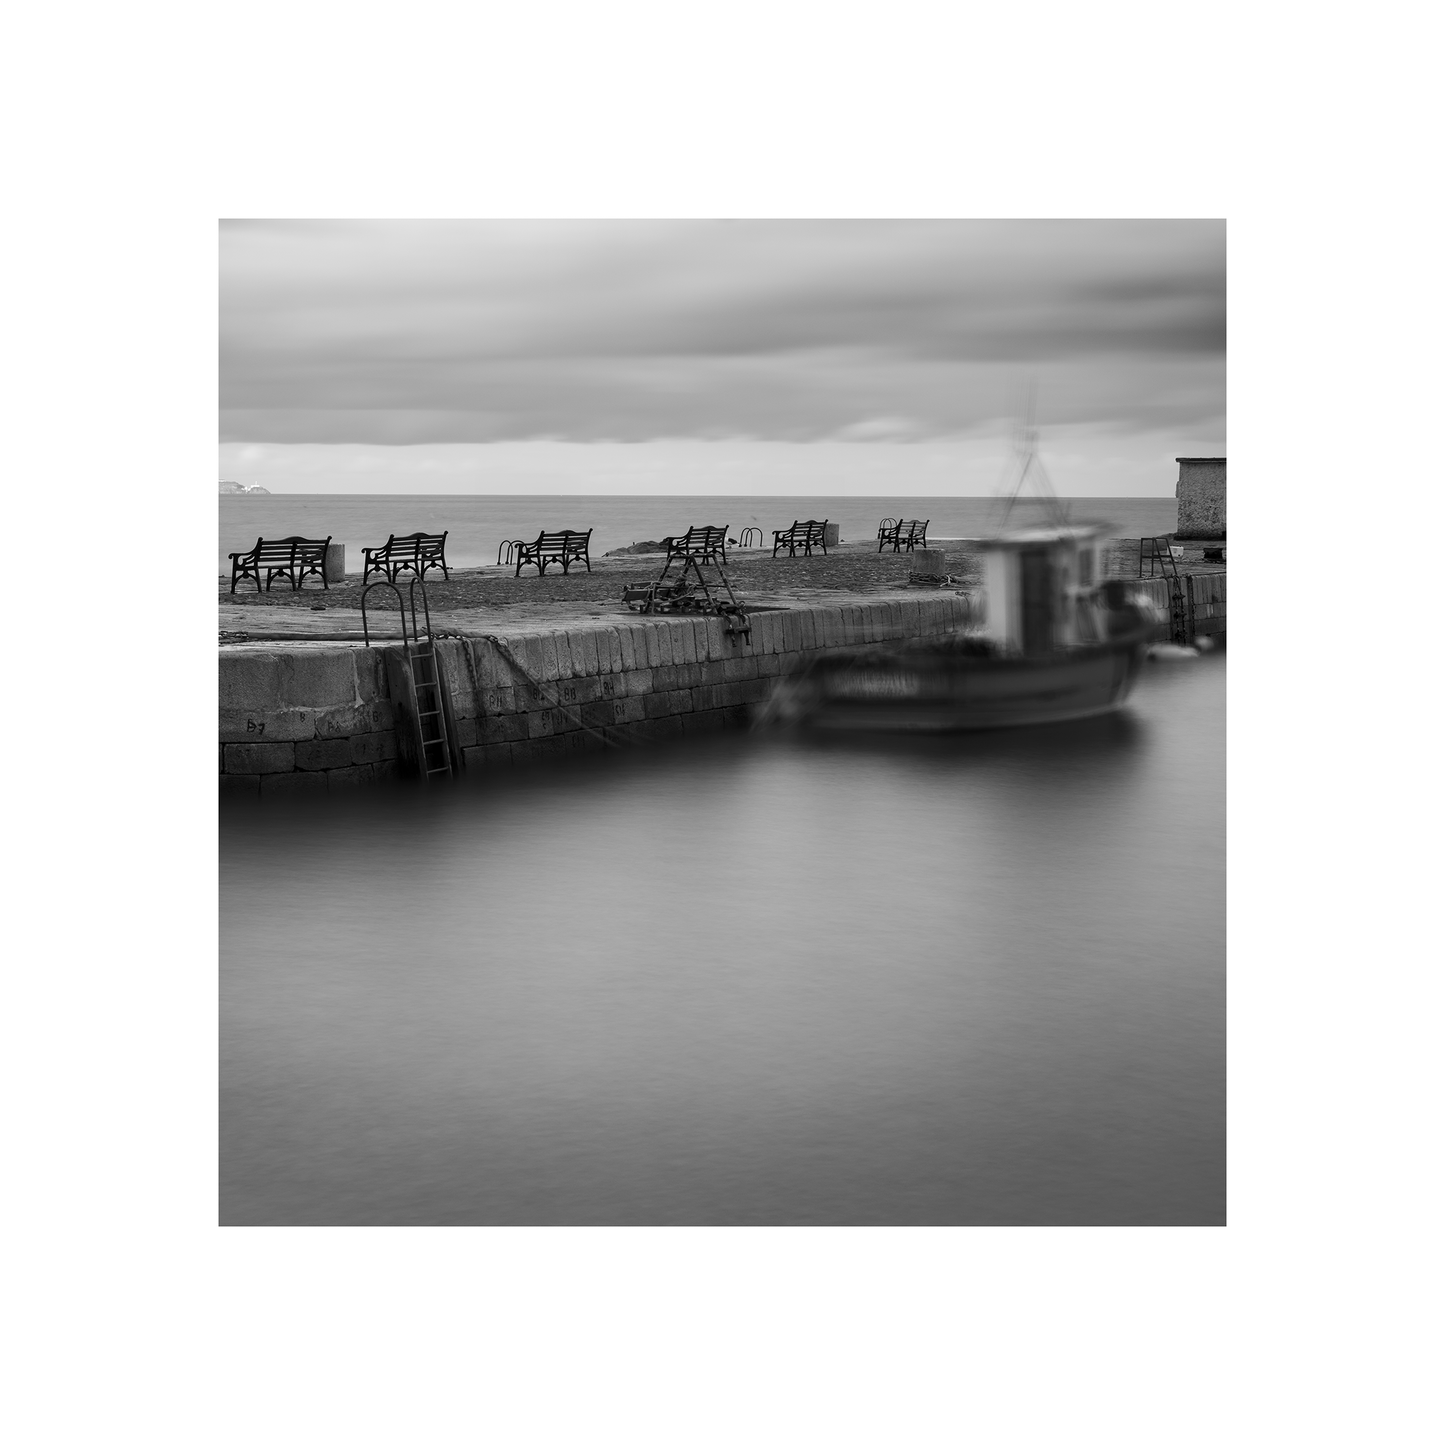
x=705 y=544
x=295 y=558
x=904 y=536
x=806 y=535
x=565 y=547
x=417 y=552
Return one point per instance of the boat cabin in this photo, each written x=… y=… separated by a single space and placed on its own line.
x=1042 y=587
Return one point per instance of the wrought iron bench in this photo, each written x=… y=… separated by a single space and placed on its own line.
x=692 y=589
x=295 y=558
x=903 y=536
x=417 y=552
x=564 y=547
x=806 y=535
x=706 y=544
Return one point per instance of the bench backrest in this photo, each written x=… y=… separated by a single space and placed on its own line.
x=697 y=542
x=561 y=544
x=915 y=530
x=414 y=544
x=286 y=550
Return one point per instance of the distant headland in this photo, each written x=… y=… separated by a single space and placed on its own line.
x=236 y=489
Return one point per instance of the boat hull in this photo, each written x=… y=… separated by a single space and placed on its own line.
x=941 y=691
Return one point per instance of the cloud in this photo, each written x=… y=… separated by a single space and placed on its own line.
x=483 y=331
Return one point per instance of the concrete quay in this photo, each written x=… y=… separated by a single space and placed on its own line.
x=321 y=714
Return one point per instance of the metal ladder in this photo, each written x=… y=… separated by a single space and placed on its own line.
x=430 y=735
x=1181 y=589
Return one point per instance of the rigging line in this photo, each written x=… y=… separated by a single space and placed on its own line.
x=511 y=660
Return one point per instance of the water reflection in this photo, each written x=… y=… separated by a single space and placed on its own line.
x=751 y=979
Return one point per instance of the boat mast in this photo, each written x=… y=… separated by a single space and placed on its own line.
x=1027 y=464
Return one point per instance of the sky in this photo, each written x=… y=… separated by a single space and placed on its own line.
x=742 y=355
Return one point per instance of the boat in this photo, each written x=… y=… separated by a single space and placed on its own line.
x=1049 y=640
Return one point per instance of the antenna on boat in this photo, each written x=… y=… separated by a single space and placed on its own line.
x=1026 y=465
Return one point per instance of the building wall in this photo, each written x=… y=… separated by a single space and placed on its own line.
x=1200 y=491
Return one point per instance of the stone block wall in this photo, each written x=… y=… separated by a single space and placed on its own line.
x=304 y=717
x=319 y=717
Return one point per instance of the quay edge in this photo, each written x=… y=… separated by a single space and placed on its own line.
x=315 y=716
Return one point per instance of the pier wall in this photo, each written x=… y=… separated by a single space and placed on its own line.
x=313 y=716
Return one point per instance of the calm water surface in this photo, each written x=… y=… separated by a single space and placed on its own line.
x=748 y=980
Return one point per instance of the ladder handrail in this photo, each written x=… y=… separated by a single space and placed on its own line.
x=400 y=609
x=426 y=608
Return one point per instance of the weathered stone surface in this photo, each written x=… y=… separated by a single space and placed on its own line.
x=507 y=728
x=275 y=727
x=250 y=682
x=493 y=671
x=539 y=723
x=247 y=785
x=372 y=747
x=652 y=638
x=260 y=757
x=598 y=714
x=317 y=678
x=665 y=704
x=316 y=755
x=581 y=690
x=1201 y=494
x=528 y=652
x=333 y=568
x=566 y=666
x=629 y=710
x=584 y=653
x=372 y=717
x=292 y=782
x=341 y=778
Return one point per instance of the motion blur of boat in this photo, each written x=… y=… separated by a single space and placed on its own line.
x=1057 y=641
x=1055 y=644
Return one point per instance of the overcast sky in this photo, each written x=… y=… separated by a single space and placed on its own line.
x=792 y=331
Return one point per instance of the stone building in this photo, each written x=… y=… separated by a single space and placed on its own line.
x=1201 y=499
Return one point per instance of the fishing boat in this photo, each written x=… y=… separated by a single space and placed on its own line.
x=1050 y=639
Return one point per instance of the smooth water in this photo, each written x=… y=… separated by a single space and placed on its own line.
x=754 y=979
x=476 y=525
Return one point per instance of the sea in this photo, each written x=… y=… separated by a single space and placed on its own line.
x=760 y=978
x=478 y=525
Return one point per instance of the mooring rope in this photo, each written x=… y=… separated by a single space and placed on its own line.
x=510 y=658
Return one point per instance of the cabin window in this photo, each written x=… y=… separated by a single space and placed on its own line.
x=1086 y=567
